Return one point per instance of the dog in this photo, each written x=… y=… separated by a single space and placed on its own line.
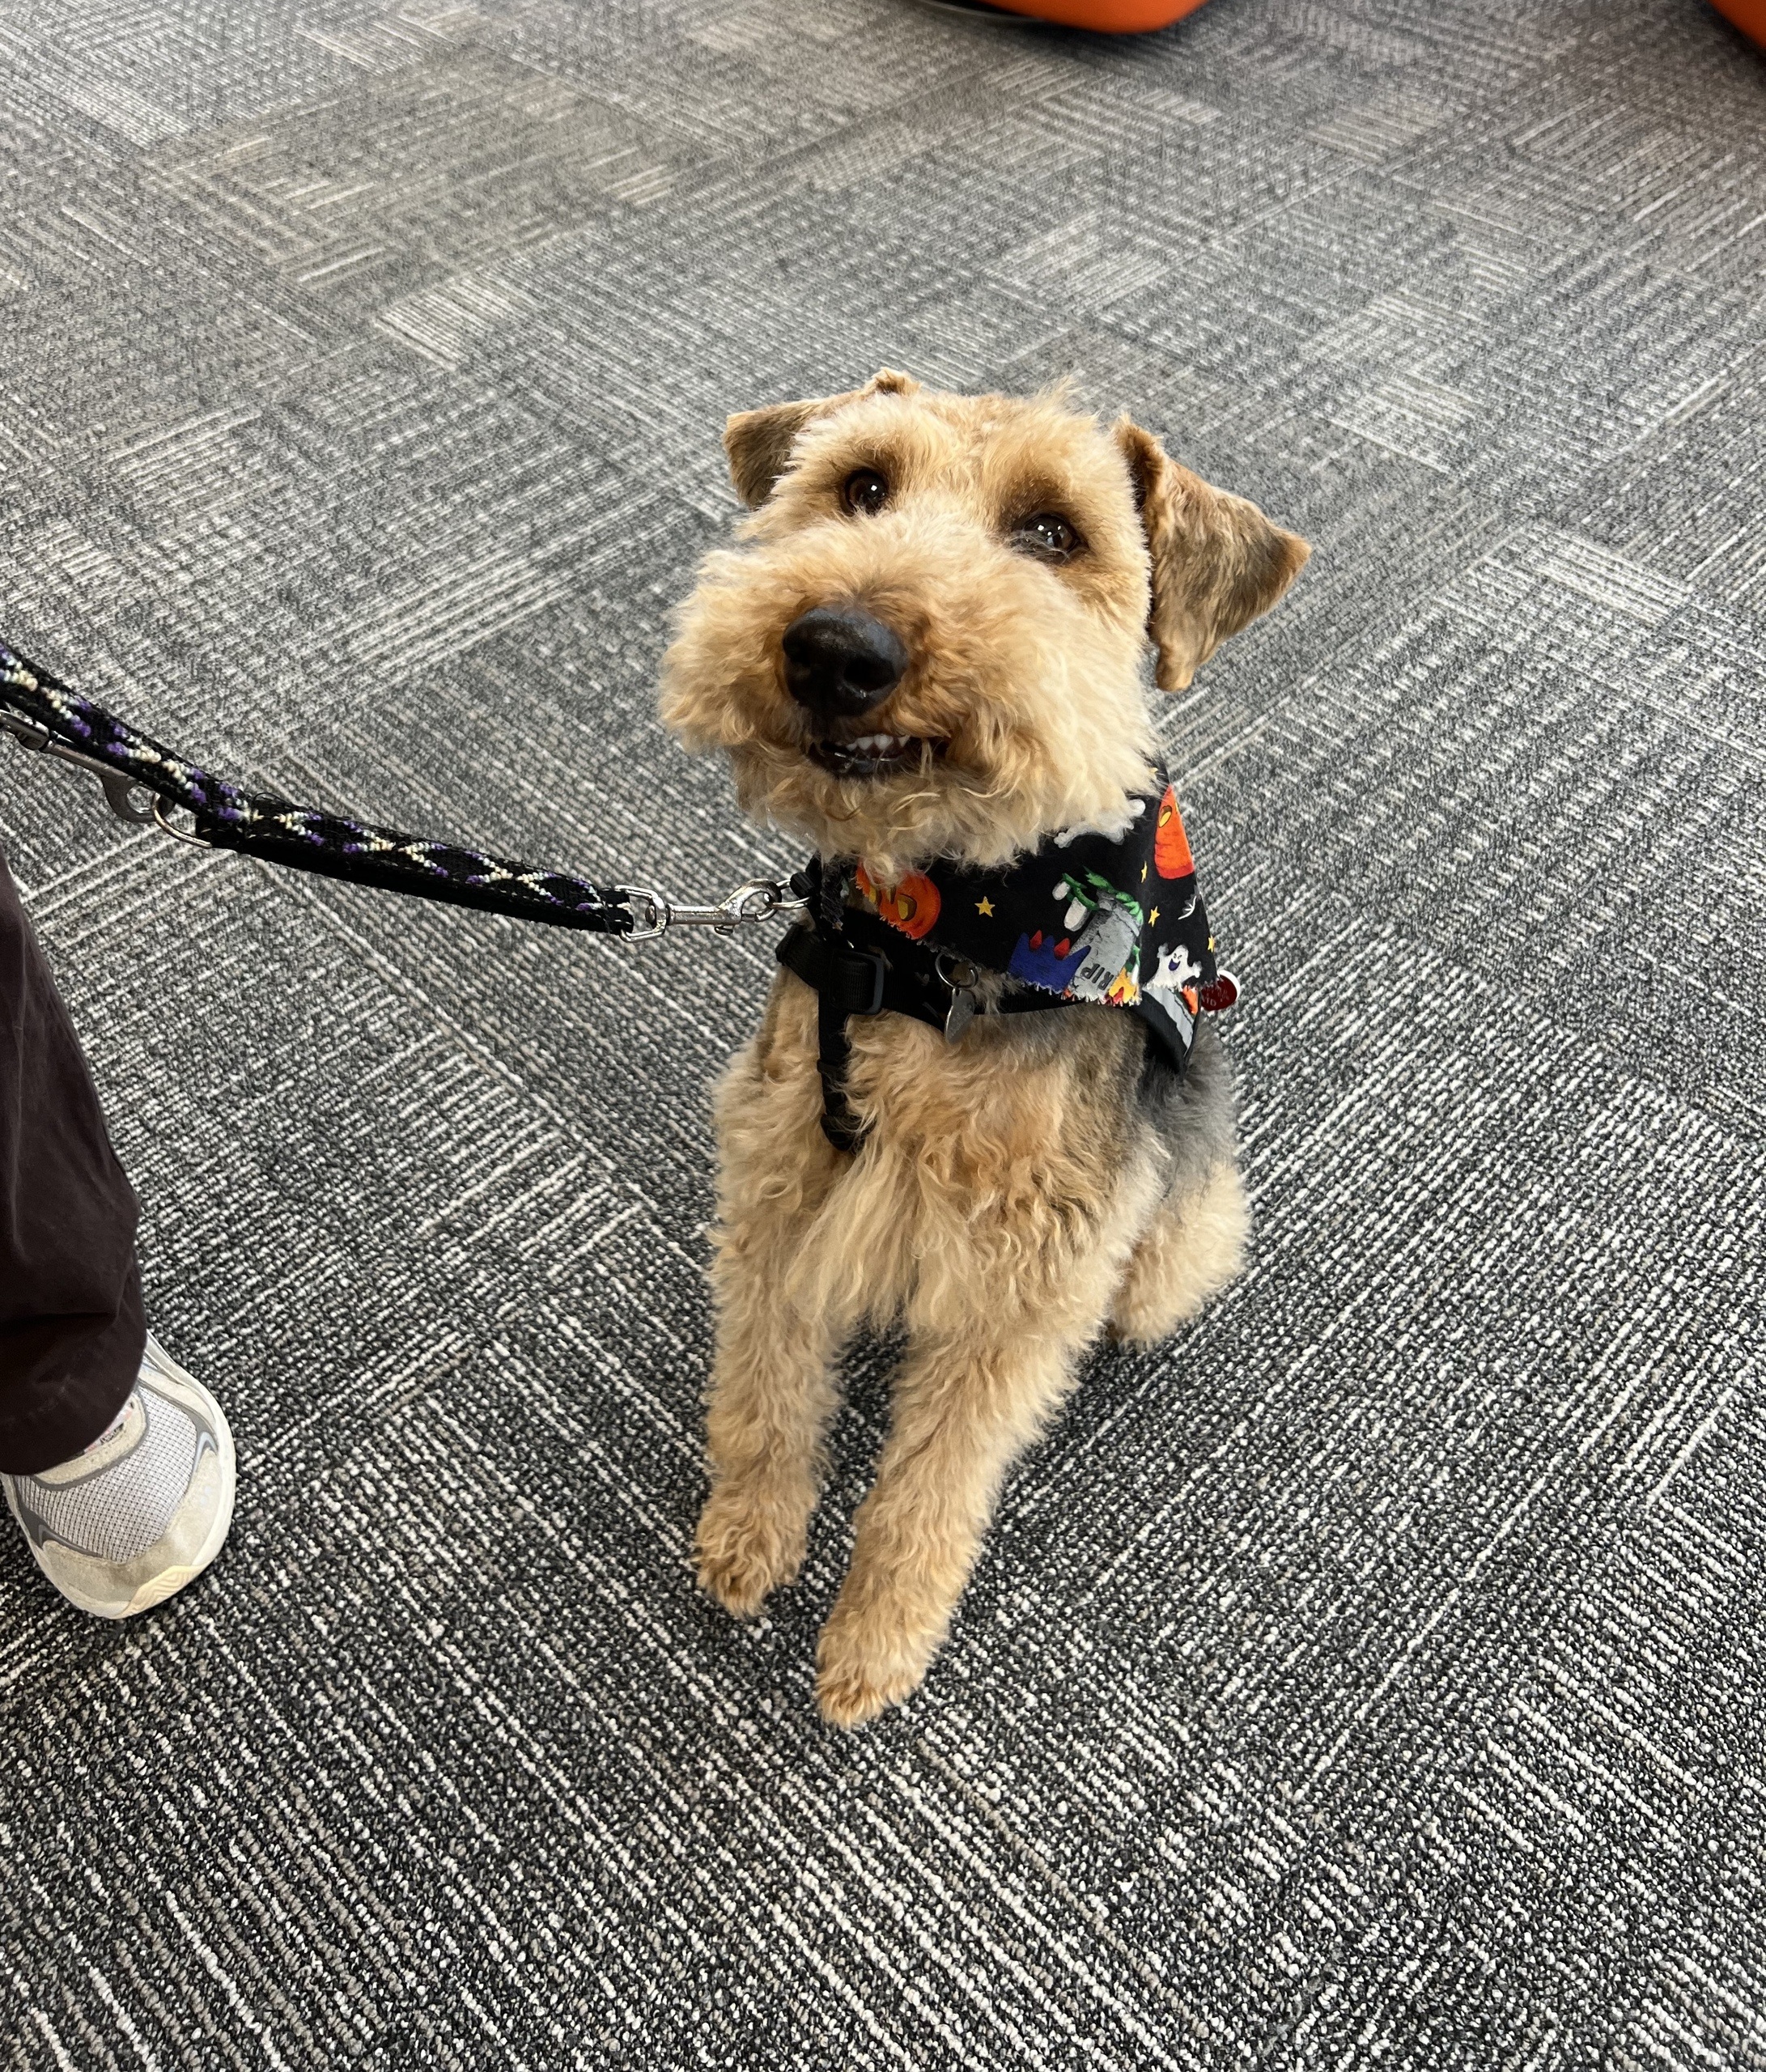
x=929 y=647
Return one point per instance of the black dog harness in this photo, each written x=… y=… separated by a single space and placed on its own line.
x=1104 y=915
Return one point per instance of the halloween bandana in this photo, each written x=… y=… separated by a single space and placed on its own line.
x=1108 y=915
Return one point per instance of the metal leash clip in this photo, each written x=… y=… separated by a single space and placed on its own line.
x=129 y=800
x=757 y=900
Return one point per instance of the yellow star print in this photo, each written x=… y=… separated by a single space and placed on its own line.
x=1152 y=917
x=985 y=907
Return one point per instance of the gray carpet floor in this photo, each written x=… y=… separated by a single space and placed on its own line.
x=1372 y=1677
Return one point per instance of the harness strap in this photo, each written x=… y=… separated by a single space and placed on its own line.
x=857 y=964
x=846 y=982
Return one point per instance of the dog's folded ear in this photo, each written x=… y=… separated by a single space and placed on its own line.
x=1217 y=561
x=759 y=442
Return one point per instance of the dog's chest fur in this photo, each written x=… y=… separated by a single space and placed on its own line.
x=1024 y=1140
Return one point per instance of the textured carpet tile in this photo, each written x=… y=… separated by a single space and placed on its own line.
x=1373 y=1676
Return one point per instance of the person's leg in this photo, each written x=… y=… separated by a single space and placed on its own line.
x=117 y=1465
x=71 y=1328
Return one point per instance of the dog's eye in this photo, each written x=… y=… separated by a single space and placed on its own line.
x=1047 y=533
x=864 y=491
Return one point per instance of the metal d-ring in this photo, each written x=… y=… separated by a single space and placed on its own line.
x=758 y=899
x=160 y=820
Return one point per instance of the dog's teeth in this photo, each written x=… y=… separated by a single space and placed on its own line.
x=868 y=746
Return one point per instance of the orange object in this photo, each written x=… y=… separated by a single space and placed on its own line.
x=1170 y=844
x=1126 y=17
x=1749 y=16
x=912 y=906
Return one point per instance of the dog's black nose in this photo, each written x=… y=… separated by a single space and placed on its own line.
x=840 y=662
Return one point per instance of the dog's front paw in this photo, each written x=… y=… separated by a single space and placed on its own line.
x=863 y=1667
x=747 y=1544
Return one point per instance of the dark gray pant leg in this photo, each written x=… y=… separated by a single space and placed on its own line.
x=71 y=1328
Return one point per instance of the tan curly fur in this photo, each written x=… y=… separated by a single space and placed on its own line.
x=1009 y=1201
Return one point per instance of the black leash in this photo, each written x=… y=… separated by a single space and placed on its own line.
x=145 y=782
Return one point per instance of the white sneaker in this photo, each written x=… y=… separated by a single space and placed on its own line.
x=144 y=1509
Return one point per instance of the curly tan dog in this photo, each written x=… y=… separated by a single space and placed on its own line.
x=930 y=646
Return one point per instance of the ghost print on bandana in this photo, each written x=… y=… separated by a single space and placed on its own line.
x=1105 y=914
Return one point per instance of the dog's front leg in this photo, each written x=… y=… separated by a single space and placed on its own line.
x=966 y=1406
x=772 y=1389
x=771 y=1398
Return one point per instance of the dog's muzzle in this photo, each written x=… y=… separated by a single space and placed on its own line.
x=840 y=664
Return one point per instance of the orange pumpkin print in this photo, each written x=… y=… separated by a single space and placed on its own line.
x=1170 y=844
x=912 y=906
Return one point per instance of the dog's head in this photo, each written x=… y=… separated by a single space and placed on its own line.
x=930 y=643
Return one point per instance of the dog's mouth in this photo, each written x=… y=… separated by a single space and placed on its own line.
x=872 y=755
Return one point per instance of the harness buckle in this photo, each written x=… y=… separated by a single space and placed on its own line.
x=856 y=979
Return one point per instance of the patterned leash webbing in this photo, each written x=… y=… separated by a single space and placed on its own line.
x=300 y=837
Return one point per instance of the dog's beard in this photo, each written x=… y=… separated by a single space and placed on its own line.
x=977 y=763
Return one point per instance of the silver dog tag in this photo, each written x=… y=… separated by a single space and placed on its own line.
x=959 y=975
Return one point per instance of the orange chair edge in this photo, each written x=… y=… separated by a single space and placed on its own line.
x=1127 y=17
x=1114 y=17
x=1749 y=16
